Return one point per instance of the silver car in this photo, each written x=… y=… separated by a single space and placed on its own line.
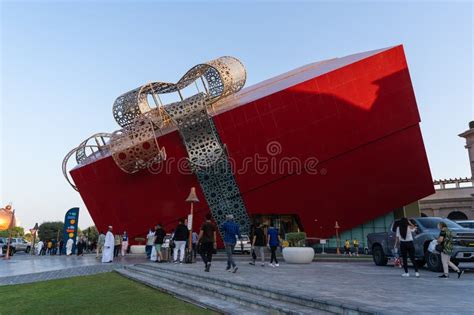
x=20 y=245
x=243 y=245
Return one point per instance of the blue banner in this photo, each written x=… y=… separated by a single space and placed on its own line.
x=70 y=229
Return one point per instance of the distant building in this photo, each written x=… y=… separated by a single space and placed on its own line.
x=454 y=198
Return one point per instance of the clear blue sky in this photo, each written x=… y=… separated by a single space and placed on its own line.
x=63 y=65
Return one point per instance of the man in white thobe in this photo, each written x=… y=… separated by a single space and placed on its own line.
x=108 y=251
x=39 y=247
x=69 y=245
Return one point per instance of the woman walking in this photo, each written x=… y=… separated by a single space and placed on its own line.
x=124 y=243
x=407 y=248
x=274 y=241
x=445 y=241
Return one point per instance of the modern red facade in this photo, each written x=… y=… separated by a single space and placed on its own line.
x=351 y=124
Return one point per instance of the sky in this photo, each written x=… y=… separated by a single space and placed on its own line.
x=64 y=63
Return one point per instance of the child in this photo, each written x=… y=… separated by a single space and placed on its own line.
x=347 y=247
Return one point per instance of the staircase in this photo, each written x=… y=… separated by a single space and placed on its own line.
x=226 y=296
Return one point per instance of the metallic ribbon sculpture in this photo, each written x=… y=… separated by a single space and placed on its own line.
x=100 y=146
x=135 y=146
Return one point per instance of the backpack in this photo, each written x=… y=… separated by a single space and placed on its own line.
x=448 y=242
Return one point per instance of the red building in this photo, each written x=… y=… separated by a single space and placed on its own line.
x=337 y=140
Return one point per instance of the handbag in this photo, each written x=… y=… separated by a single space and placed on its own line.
x=439 y=248
x=432 y=246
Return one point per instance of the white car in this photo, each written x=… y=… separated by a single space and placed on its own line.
x=21 y=245
x=243 y=245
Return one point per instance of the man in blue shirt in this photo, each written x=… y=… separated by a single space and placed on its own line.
x=231 y=232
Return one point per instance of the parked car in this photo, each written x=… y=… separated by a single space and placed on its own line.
x=20 y=245
x=382 y=244
x=3 y=244
x=466 y=224
x=243 y=246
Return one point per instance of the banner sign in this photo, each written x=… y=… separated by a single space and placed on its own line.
x=190 y=221
x=70 y=228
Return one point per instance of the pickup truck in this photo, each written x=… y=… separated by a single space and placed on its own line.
x=383 y=243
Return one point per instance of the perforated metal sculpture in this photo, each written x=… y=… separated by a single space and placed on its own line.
x=135 y=146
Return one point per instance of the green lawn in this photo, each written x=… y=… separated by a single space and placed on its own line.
x=106 y=293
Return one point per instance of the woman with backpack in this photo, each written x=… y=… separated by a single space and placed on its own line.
x=445 y=247
x=407 y=247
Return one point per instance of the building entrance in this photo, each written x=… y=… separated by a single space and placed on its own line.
x=284 y=223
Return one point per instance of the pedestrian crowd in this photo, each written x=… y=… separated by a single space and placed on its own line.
x=443 y=245
x=181 y=245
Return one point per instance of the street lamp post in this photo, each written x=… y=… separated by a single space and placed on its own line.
x=338 y=251
x=192 y=198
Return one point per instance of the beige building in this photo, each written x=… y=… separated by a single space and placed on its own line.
x=454 y=198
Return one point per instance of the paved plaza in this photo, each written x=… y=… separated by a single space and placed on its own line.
x=361 y=284
x=358 y=284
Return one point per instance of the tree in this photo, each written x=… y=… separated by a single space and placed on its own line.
x=17 y=231
x=49 y=230
x=28 y=237
x=91 y=233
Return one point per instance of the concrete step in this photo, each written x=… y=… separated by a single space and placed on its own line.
x=280 y=295
x=196 y=297
x=252 y=297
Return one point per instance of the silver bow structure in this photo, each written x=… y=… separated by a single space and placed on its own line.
x=135 y=146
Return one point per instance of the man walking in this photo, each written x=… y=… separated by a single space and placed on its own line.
x=180 y=237
x=355 y=242
x=60 y=247
x=100 y=244
x=150 y=239
x=207 y=241
x=109 y=244
x=69 y=245
x=231 y=232
x=195 y=238
x=117 y=244
x=259 y=242
x=159 y=238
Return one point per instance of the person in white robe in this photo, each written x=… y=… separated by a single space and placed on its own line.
x=69 y=245
x=39 y=247
x=154 y=255
x=108 y=251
